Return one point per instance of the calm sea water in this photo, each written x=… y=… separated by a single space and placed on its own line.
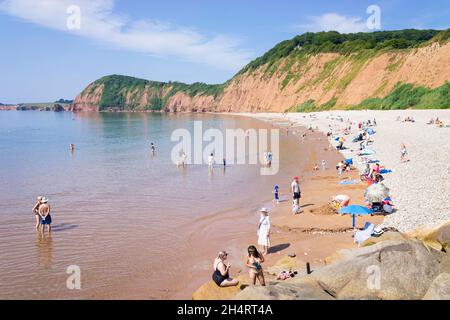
x=135 y=224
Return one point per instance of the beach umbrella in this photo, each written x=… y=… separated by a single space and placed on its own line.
x=355 y=210
x=376 y=193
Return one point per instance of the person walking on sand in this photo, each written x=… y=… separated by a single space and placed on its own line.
x=36 y=212
x=263 y=231
x=253 y=263
x=324 y=165
x=44 y=213
x=221 y=275
x=403 y=153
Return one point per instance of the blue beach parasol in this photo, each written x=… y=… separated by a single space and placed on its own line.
x=355 y=210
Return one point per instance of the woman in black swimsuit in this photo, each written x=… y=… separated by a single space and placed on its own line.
x=221 y=275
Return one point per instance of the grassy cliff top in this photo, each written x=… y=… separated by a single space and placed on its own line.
x=335 y=42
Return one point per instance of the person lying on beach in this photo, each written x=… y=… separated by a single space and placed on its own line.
x=36 y=212
x=221 y=275
x=44 y=213
x=255 y=270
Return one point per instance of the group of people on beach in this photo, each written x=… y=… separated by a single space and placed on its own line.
x=255 y=258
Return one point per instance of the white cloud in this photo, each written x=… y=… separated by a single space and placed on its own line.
x=100 y=23
x=333 y=22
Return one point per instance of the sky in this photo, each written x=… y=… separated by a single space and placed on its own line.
x=52 y=49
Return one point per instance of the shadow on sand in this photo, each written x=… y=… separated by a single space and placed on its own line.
x=279 y=247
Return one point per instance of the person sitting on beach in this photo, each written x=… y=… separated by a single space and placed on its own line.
x=253 y=262
x=36 y=212
x=221 y=275
x=316 y=167
x=44 y=213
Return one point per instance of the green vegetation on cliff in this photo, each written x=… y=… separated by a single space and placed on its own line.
x=332 y=41
x=118 y=90
x=406 y=96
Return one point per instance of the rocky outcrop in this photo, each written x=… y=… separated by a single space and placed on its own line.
x=211 y=291
x=439 y=289
x=403 y=268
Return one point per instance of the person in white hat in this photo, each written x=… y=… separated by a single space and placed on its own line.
x=264 y=231
x=44 y=213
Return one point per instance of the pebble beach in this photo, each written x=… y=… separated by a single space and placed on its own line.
x=419 y=188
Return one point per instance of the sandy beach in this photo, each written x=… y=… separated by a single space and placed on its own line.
x=420 y=188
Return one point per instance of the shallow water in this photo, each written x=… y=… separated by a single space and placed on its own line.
x=135 y=224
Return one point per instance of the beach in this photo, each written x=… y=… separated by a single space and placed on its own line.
x=421 y=187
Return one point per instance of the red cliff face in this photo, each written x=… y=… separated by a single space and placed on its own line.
x=345 y=80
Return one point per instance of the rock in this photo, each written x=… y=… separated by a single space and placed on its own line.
x=211 y=291
x=438 y=239
x=305 y=289
x=440 y=288
x=286 y=264
x=58 y=108
x=406 y=270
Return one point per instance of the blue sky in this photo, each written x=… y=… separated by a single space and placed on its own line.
x=180 y=40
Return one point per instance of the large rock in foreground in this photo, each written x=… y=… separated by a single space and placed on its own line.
x=439 y=289
x=393 y=269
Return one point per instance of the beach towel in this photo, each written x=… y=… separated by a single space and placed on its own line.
x=366 y=152
x=366 y=233
x=348 y=182
x=349 y=161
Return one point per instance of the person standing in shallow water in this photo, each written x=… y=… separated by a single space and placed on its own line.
x=44 y=213
x=36 y=212
x=153 y=148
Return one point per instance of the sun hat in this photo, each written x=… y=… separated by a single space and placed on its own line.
x=44 y=200
x=295 y=178
x=264 y=210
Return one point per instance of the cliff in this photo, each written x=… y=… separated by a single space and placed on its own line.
x=315 y=71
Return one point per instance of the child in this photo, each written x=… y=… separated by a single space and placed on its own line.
x=276 y=193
